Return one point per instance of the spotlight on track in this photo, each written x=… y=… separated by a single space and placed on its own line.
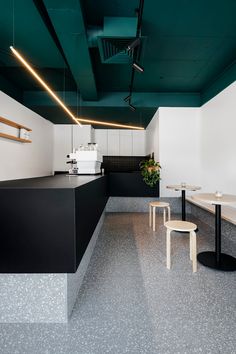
x=132 y=107
x=128 y=98
x=133 y=44
x=138 y=67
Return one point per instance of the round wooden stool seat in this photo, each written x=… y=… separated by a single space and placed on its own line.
x=152 y=212
x=179 y=225
x=159 y=204
x=186 y=226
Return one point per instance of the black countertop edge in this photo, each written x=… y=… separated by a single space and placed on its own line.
x=61 y=181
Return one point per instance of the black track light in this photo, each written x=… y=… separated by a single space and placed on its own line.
x=133 y=44
x=128 y=98
x=138 y=67
x=132 y=107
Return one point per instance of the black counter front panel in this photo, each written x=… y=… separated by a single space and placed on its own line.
x=90 y=201
x=47 y=230
x=46 y=223
x=130 y=184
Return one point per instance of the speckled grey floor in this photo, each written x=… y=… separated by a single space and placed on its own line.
x=130 y=303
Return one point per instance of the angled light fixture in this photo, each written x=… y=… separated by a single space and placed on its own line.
x=43 y=83
x=128 y=98
x=138 y=67
x=132 y=107
x=133 y=44
x=117 y=125
x=58 y=100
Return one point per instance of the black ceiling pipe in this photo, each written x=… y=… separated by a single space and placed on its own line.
x=135 y=50
x=39 y=4
x=140 y=17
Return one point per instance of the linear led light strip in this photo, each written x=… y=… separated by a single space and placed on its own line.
x=56 y=98
x=110 y=124
x=43 y=83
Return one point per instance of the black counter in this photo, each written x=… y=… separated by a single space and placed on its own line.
x=47 y=223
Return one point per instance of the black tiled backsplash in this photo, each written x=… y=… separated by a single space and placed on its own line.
x=122 y=163
x=130 y=184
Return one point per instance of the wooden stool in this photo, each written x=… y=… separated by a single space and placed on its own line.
x=152 y=211
x=179 y=225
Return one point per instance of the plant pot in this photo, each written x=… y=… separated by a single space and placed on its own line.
x=153 y=168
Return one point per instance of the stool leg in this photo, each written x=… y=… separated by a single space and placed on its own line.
x=150 y=215
x=190 y=246
x=154 y=218
x=168 y=248
x=168 y=208
x=164 y=215
x=194 y=250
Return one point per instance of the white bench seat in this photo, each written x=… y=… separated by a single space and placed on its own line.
x=228 y=213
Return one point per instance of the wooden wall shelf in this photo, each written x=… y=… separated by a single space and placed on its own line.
x=12 y=137
x=15 y=125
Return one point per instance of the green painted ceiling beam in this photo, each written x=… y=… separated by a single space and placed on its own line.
x=116 y=99
x=67 y=19
x=123 y=115
x=227 y=77
x=10 y=89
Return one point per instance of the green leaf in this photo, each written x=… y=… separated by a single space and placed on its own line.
x=150 y=170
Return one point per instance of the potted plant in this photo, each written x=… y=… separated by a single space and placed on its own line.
x=150 y=170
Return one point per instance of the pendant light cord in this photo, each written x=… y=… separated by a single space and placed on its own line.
x=64 y=84
x=13 y=23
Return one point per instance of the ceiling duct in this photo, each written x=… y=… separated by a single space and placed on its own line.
x=114 y=50
x=114 y=40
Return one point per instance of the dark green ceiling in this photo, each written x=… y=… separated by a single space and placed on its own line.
x=188 y=53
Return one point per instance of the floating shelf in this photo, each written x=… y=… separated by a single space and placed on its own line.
x=15 y=125
x=12 y=137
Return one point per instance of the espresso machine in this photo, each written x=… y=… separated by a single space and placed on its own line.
x=73 y=171
x=86 y=160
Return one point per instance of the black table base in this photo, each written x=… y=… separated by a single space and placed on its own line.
x=183 y=205
x=217 y=260
x=226 y=263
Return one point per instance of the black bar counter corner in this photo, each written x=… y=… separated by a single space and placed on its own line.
x=47 y=222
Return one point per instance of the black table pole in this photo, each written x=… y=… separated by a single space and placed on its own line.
x=218 y=234
x=183 y=205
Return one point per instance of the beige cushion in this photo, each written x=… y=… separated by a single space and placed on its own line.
x=179 y=225
x=159 y=204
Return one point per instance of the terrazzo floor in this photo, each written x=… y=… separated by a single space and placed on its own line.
x=130 y=303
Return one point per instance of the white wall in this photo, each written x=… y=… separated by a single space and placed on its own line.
x=121 y=142
x=62 y=146
x=152 y=136
x=67 y=137
x=101 y=138
x=193 y=145
x=197 y=145
x=139 y=143
x=218 y=142
x=179 y=146
x=110 y=141
x=24 y=160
